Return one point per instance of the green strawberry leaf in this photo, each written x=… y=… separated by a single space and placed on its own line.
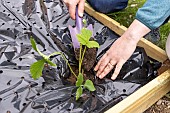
x=81 y=39
x=84 y=36
x=92 y=44
x=79 y=92
x=37 y=68
x=79 y=80
x=89 y=85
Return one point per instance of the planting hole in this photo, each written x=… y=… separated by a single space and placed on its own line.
x=124 y=90
x=59 y=101
x=38 y=94
x=58 y=68
x=20 y=59
x=140 y=67
x=24 y=104
x=1 y=71
x=44 y=49
x=68 y=109
x=38 y=42
x=47 y=71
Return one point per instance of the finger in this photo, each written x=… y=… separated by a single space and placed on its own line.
x=102 y=66
x=81 y=8
x=99 y=62
x=117 y=69
x=72 y=10
x=107 y=69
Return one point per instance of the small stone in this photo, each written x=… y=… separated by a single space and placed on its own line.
x=159 y=102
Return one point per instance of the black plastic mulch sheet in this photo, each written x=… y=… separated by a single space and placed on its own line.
x=47 y=21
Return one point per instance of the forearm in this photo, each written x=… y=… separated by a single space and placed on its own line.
x=135 y=31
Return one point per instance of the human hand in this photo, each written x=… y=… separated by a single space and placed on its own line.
x=71 y=4
x=116 y=56
x=121 y=50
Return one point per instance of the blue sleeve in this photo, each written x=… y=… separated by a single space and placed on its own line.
x=154 y=13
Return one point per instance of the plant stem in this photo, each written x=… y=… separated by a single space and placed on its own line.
x=68 y=64
x=83 y=55
x=80 y=58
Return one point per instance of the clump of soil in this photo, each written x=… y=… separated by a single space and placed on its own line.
x=89 y=57
x=87 y=75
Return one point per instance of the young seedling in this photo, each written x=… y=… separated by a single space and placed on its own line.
x=81 y=40
x=84 y=39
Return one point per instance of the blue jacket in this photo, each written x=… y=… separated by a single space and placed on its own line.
x=154 y=13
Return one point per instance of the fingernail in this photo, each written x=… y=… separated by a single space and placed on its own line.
x=100 y=76
x=113 y=78
x=81 y=14
x=95 y=69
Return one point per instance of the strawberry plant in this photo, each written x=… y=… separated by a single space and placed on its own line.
x=81 y=39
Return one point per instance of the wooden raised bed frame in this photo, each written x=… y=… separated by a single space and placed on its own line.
x=147 y=95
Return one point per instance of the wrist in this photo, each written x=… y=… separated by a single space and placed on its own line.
x=135 y=31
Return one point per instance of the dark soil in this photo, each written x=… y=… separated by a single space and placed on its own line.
x=72 y=79
x=89 y=58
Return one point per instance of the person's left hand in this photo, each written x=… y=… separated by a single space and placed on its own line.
x=116 y=56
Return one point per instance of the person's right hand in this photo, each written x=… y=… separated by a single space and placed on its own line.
x=71 y=4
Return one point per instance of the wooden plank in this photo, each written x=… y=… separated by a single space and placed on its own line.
x=151 y=49
x=145 y=96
